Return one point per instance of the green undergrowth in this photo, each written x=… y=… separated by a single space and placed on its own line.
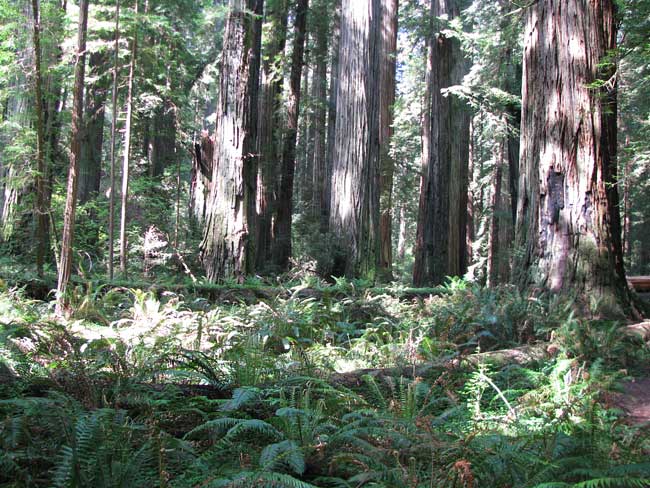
x=358 y=388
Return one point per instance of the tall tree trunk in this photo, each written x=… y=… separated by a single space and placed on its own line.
x=319 y=166
x=331 y=115
x=226 y=250
x=90 y=159
x=65 y=266
x=354 y=218
x=127 y=146
x=388 y=63
x=284 y=216
x=270 y=127
x=568 y=223
x=440 y=242
x=115 y=110
x=41 y=166
x=201 y=179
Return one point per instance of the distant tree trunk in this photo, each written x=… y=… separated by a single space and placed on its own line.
x=226 y=250
x=331 y=115
x=387 y=100
x=90 y=159
x=162 y=141
x=401 y=238
x=127 y=146
x=501 y=224
x=65 y=266
x=115 y=110
x=440 y=242
x=270 y=127
x=568 y=223
x=354 y=218
x=470 y=232
x=319 y=103
x=41 y=166
x=284 y=216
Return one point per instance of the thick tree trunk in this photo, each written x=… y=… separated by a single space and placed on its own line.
x=65 y=266
x=284 y=216
x=90 y=159
x=388 y=65
x=354 y=218
x=270 y=127
x=226 y=250
x=440 y=248
x=568 y=223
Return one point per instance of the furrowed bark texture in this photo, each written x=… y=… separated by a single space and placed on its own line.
x=388 y=61
x=270 y=126
x=568 y=223
x=226 y=250
x=201 y=178
x=282 y=225
x=354 y=218
x=440 y=248
x=65 y=266
x=320 y=174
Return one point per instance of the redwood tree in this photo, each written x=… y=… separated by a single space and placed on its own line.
x=354 y=207
x=440 y=247
x=284 y=215
x=65 y=266
x=225 y=249
x=568 y=226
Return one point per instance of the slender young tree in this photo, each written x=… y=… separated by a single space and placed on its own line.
x=284 y=216
x=41 y=166
x=127 y=145
x=226 y=250
x=115 y=110
x=65 y=266
x=568 y=225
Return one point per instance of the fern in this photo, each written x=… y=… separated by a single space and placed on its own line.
x=285 y=453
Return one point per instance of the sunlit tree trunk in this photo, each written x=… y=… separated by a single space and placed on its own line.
x=115 y=110
x=568 y=223
x=270 y=126
x=127 y=146
x=387 y=169
x=226 y=250
x=354 y=218
x=284 y=216
x=65 y=265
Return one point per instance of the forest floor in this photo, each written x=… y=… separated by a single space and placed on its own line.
x=308 y=386
x=635 y=400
